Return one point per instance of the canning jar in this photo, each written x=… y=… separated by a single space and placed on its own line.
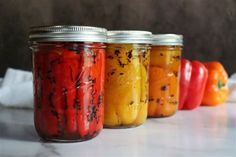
x=164 y=75
x=126 y=78
x=68 y=72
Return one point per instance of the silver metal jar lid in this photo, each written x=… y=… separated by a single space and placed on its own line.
x=129 y=36
x=68 y=33
x=168 y=39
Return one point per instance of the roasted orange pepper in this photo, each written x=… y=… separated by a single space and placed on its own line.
x=216 y=91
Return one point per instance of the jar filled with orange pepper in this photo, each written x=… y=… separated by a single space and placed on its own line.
x=164 y=75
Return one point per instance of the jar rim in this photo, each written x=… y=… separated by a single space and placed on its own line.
x=68 y=33
x=167 y=39
x=129 y=36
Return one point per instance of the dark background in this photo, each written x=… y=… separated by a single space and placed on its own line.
x=208 y=26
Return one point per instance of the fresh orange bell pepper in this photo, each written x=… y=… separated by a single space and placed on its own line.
x=216 y=91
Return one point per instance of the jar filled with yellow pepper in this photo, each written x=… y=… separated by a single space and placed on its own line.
x=126 y=78
x=164 y=75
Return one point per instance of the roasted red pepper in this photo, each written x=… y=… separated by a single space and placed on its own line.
x=192 y=88
x=68 y=84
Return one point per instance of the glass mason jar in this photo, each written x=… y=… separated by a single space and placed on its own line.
x=126 y=78
x=164 y=75
x=68 y=70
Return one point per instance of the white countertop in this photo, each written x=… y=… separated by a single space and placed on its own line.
x=206 y=131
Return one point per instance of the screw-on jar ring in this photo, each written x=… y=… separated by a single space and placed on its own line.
x=129 y=36
x=68 y=33
x=167 y=39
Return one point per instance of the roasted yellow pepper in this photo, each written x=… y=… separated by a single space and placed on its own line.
x=126 y=85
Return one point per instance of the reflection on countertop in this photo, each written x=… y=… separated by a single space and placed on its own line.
x=206 y=131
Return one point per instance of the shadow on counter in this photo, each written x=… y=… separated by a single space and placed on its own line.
x=17 y=124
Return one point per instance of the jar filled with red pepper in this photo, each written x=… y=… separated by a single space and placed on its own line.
x=68 y=70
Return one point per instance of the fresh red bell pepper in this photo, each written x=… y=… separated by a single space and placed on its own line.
x=186 y=70
x=192 y=88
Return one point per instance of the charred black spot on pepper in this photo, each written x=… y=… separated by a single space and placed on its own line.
x=94 y=81
x=112 y=72
x=91 y=80
x=121 y=64
x=172 y=95
x=164 y=88
x=98 y=119
x=176 y=74
x=92 y=112
x=93 y=93
x=54 y=113
x=65 y=107
x=129 y=54
x=94 y=57
x=161 y=54
x=144 y=55
x=65 y=91
x=151 y=99
x=50 y=100
x=50 y=96
x=50 y=76
x=174 y=102
x=121 y=73
x=100 y=100
x=110 y=57
x=57 y=61
x=77 y=83
x=117 y=52
x=49 y=72
x=77 y=104
x=131 y=102
x=79 y=50
x=158 y=100
x=176 y=57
